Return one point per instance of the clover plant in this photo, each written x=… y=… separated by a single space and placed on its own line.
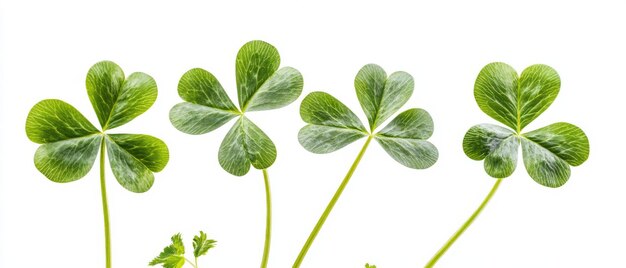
x=173 y=256
x=260 y=86
x=69 y=142
x=367 y=265
x=515 y=101
x=332 y=125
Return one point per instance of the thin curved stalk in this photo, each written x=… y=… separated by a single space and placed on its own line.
x=330 y=206
x=105 y=207
x=467 y=223
x=268 y=220
x=194 y=265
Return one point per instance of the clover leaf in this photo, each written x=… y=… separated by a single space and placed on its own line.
x=516 y=101
x=261 y=85
x=331 y=126
x=173 y=256
x=69 y=142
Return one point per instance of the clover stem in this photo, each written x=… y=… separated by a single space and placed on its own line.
x=105 y=207
x=467 y=223
x=330 y=206
x=268 y=220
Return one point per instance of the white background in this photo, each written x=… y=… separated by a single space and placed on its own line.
x=389 y=215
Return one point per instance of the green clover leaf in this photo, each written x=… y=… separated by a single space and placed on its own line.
x=516 y=101
x=331 y=125
x=69 y=142
x=260 y=86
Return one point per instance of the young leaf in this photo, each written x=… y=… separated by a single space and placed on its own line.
x=367 y=265
x=172 y=255
x=244 y=145
x=201 y=245
x=380 y=97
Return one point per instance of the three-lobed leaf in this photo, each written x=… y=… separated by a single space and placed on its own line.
x=516 y=101
x=260 y=86
x=331 y=125
x=70 y=142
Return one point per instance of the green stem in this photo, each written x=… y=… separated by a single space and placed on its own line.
x=192 y=264
x=469 y=221
x=105 y=207
x=268 y=220
x=330 y=206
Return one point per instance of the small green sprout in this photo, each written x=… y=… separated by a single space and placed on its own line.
x=516 y=101
x=260 y=86
x=173 y=256
x=70 y=142
x=332 y=126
